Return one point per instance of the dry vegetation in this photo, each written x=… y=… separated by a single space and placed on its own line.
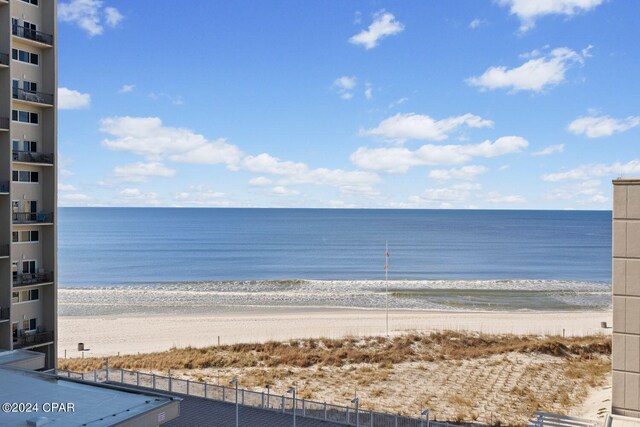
x=459 y=376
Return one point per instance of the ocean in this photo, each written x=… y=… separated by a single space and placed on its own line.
x=120 y=260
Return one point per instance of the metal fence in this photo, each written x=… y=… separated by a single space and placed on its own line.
x=346 y=415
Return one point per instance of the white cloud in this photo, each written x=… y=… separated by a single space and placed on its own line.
x=66 y=187
x=260 y=181
x=551 y=149
x=397 y=103
x=283 y=191
x=293 y=173
x=201 y=195
x=141 y=172
x=534 y=75
x=64 y=163
x=384 y=25
x=368 y=91
x=126 y=88
x=529 y=10
x=72 y=99
x=344 y=86
x=495 y=197
x=135 y=197
x=416 y=126
x=465 y=173
x=588 y=188
x=586 y=172
x=90 y=15
x=600 y=126
x=477 y=23
x=401 y=159
x=148 y=137
x=175 y=100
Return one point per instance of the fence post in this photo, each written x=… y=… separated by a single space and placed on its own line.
x=243 y=397
x=82 y=376
x=304 y=411
x=396 y=420
x=283 y=403
x=349 y=421
x=325 y=411
x=262 y=401
x=371 y=418
x=224 y=393
x=205 y=390
x=169 y=382
x=95 y=376
x=122 y=376
x=153 y=383
x=107 y=369
x=187 y=387
x=138 y=378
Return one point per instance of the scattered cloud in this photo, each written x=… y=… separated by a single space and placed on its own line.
x=283 y=191
x=551 y=149
x=586 y=172
x=495 y=197
x=135 y=197
x=260 y=181
x=535 y=75
x=344 y=86
x=401 y=159
x=601 y=126
x=69 y=99
x=66 y=187
x=175 y=100
x=141 y=172
x=89 y=15
x=529 y=11
x=384 y=25
x=368 y=91
x=73 y=199
x=148 y=137
x=464 y=173
x=64 y=163
x=477 y=23
x=126 y=88
x=584 y=192
x=402 y=127
x=397 y=103
x=201 y=196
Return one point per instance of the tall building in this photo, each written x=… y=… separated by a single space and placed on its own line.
x=626 y=298
x=28 y=177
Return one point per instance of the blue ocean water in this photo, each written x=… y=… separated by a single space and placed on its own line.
x=328 y=257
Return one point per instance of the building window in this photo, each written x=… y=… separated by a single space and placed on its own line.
x=26 y=296
x=15 y=297
x=29 y=325
x=25 y=56
x=25 y=176
x=24 y=146
x=33 y=2
x=24 y=117
x=14 y=237
x=25 y=236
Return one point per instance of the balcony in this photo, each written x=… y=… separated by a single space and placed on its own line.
x=32 y=35
x=4 y=187
x=5 y=314
x=4 y=59
x=33 y=97
x=33 y=340
x=32 y=217
x=31 y=279
x=4 y=123
x=30 y=157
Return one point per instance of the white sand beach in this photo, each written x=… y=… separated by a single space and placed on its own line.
x=130 y=334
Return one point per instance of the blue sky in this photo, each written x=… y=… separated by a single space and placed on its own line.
x=505 y=104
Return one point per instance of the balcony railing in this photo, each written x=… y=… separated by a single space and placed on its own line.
x=33 y=339
x=28 y=279
x=28 y=33
x=4 y=186
x=5 y=313
x=4 y=123
x=30 y=157
x=4 y=59
x=38 y=97
x=31 y=217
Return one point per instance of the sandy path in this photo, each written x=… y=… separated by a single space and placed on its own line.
x=108 y=335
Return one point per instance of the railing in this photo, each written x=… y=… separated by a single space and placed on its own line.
x=4 y=123
x=30 y=217
x=5 y=313
x=30 y=157
x=4 y=186
x=27 y=279
x=33 y=339
x=345 y=415
x=27 y=95
x=4 y=59
x=28 y=33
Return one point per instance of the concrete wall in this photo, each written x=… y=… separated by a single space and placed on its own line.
x=626 y=298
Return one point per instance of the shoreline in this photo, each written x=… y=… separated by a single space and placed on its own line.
x=109 y=334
